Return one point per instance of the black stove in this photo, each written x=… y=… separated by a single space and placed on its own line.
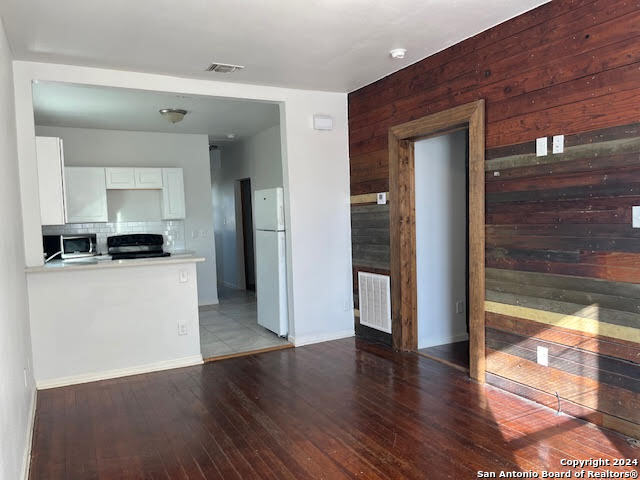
x=136 y=245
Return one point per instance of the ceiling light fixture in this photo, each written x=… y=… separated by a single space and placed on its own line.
x=398 y=53
x=223 y=67
x=231 y=136
x=173 y=115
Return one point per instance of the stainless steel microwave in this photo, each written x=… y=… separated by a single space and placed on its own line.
x=69 y=246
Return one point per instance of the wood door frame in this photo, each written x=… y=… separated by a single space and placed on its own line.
x=403 y=226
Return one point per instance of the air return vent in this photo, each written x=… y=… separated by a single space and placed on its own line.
x=223 y=68
x=375 y=301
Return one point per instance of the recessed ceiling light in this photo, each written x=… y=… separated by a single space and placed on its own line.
x=173 y=115
x=223 y=67
x=398 y=53
x=231 y=136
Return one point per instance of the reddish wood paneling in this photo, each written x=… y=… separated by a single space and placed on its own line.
x=568 y=67
x=565 y=67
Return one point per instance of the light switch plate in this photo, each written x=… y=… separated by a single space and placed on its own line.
x=382 y=198
x=541 y=146
x=558 y=143
x=543 y=356
x=635 y=216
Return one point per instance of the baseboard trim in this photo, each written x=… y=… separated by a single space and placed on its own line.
x=445 y=340
x=121 y=372
x=323 y=337
x=208 y=302
x=31 y=424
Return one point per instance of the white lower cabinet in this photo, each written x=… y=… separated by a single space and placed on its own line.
x=173 y=205
x=86 y=194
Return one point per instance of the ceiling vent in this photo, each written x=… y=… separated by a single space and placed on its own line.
x=223 y=68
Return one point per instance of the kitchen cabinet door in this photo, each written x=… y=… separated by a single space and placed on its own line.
x=173 y=205
x=148 y=177
x=86 y=194
x=120 y=178
x=50 y=158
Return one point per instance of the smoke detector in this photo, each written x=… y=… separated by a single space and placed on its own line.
x=223 y=68
x=398 y=53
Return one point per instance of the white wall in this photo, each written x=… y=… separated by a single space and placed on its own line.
x=115 y=148
x=316 y=183
x=441 y=223
x=15 y=346
x=259 y=158
x=130 y=326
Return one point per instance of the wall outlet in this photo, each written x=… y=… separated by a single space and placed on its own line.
x=184 y=276
x=541 y=147
x=182 y=328
x=460 y=306
x=542 y=356
x=382 y=198
x=558 y=144
x=635 y=216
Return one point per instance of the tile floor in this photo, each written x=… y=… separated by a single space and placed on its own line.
x=232 y=326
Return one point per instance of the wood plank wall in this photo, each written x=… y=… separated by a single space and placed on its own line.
x=563 y=263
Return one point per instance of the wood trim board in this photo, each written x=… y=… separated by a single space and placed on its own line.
x=250 y=352
x=403 y=226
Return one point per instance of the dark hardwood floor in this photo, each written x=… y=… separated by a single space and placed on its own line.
x=334 y=410
x=455 y=354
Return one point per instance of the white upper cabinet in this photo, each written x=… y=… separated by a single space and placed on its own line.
x=50 y=157
x=130 y=178
x=173 y=205
x=148 y=177
x=86 y=194
x=120 y=178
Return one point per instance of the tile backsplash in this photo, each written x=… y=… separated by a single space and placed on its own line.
x=172 y=230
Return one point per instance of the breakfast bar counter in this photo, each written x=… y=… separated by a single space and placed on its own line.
x=102 y=318
x=105 y=261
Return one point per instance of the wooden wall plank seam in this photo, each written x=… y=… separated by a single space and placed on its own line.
x=596 y=343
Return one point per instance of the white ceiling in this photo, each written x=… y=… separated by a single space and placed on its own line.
x=336 y=45
x=68 y=105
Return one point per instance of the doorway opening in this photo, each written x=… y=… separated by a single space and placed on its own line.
x=247 y=234
x=441 y=198
x=404 y=261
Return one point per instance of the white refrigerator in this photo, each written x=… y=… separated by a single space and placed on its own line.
x=271 y=265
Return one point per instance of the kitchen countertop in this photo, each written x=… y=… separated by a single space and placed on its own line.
x=104 y=261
